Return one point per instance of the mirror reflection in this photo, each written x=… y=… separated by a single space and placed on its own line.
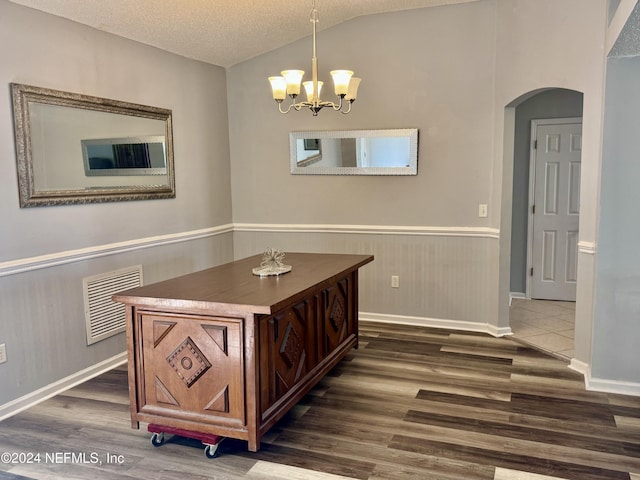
x=74 y=148
x=124 y=156
x=356 y=152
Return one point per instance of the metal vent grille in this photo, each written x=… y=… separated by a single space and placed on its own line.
x=105 y=317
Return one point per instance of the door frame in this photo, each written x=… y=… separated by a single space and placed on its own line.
x=535 y=123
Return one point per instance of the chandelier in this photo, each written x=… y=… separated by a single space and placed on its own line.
x=345 y=84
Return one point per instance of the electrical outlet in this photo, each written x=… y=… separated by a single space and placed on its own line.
x=395 y=281
x=482 y=210
x=3 y=353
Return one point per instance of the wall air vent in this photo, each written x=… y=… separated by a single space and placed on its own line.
x=104 y=317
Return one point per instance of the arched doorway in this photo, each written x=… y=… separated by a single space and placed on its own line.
x=538 y=249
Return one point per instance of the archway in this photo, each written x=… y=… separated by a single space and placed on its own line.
x=546 y=325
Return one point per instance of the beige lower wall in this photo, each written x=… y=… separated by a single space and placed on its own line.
x=444 y=276
x=42 y=309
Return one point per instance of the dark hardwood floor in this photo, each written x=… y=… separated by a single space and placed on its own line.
x=410 y=403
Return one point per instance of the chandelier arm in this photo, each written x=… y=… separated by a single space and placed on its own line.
x=344 y=112
x=291 y=105
x=338 y=107
x=281 y=110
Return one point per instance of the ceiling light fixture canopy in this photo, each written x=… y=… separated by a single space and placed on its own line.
x=345 y=84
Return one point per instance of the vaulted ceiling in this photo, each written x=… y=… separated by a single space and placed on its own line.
x=221 y=32
x=628 y=43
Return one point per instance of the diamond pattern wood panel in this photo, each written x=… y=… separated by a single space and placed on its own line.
x=336 y=305
x=188 y=362
x=198 y=370
x=291 y=350
x=297 y=339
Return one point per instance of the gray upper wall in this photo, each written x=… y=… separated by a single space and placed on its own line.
x=617 y=299
x=47 y=51
x=430 y=69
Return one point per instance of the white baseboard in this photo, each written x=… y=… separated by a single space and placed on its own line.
x=42 y=394
x=602 y=385
x=612 y=386
x=518 y=295
x=579 y=366
x=498 y=331
x=435 y=323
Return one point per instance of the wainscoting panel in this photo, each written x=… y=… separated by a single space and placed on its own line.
x=42 y=310
x=446 y=275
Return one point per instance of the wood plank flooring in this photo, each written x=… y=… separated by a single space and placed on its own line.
x=411 y=403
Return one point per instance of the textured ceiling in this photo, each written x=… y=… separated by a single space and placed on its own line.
x=628 y=43
x=221 y=32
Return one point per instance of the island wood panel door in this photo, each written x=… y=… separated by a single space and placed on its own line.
x=555 y=211
x=288 y=352
x=338 y=322
x=194 y=368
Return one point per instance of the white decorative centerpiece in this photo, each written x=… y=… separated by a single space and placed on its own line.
x=272 y=264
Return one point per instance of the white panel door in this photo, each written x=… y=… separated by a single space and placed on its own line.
x=556 y=211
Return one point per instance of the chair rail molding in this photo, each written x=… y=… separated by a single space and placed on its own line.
x=13 y=267
x=453 y=231
x=22 y=265
x=587 y=247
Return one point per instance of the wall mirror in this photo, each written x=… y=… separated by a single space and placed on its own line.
x=355 y=152
x=73 y=148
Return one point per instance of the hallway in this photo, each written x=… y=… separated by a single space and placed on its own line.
x=544 y=324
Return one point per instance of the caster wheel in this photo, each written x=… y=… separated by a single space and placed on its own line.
x=157 y=439
x=211 y=451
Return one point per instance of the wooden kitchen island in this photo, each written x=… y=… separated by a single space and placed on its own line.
x=228 y=353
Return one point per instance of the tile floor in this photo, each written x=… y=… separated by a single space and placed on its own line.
x=545 y=324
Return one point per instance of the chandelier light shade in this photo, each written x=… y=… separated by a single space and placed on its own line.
x=345 y=84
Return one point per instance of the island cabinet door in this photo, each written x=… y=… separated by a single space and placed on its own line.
x=288 y=352
x=338 y=315
x=193 y=368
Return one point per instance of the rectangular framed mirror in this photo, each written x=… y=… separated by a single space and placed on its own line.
x=73 y=148
x=355 y=152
